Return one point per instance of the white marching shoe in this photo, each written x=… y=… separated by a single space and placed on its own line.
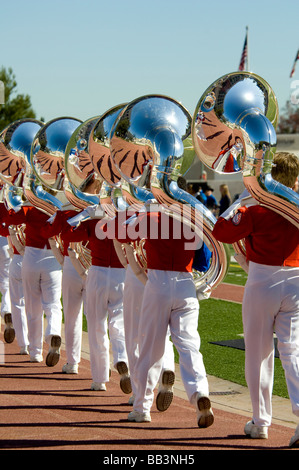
x=125 y=381
x=131 y=400
x=98 y=386
x=256 y=432
x=36 y=358
x=53 y=355
x=139 y=417
x=165 y=390
x=294 y=442
x=205 y=415
x=9 y=332
x=70 y=368
x=24 y=351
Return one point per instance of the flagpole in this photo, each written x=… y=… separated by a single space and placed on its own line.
x=294 y=65
x=247 y=59
x=244 y=62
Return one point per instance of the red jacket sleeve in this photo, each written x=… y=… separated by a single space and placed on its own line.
x=234 y=229
x=58 y=225
x=124 y=227
x=17 y=218
x=79 y=234
x=4 y=232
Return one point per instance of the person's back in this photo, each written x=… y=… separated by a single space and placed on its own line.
x=169 y=301
x=34 y=219
x=269 y=237
x=271 y=297
x=167 y=251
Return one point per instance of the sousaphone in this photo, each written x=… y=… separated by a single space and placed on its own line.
x=15 y=146
x=234 y=131
x=81 y=187
x=152 y=148
x=44 y=178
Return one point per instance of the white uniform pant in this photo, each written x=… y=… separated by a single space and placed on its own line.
x=104 y=292
x=41 y=275
x=271 y=303
x=133 y=295
x=73 y=299
x=18 y=311
x=5 y=261
x=169 y=299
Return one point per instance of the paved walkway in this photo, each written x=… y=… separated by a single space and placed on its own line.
x=43 y=409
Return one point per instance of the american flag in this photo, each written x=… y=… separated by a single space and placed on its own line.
x=294 y=65
x=244 y=55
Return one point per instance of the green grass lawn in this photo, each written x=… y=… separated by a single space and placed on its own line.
x=236 y=275
x=220 y=320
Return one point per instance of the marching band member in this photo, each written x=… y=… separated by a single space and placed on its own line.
x=132 y=301
x=41 y=276
x=271 y=297
x=5 y=260
x=133 y=295
x=169 y=300
x=104 y=294
x=73 y=294
x=18 y=311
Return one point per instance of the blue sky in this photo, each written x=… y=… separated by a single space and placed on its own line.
x=80 y=58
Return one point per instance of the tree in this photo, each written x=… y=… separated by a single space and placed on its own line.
x=16 y=106
x=289 y=120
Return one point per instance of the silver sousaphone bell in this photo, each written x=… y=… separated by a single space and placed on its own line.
x=152 y=148
x=81 y=187
x=111 y=195
x=94 y=163
x=15 y=146
x=44 y=178
x=99 y=151
x=233 y=131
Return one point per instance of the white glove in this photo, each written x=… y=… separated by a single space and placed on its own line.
x=51 y=219
x=94 y=211
x=245 y=199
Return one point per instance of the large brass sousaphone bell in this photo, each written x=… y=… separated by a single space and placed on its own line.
x=152 y=148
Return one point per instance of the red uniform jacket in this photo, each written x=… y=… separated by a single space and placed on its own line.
x=56 y=228
x=4 y=232
x=102 y=251
x=165 y=240
x=34 y=219
x=269 y=238
x=3 y=225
